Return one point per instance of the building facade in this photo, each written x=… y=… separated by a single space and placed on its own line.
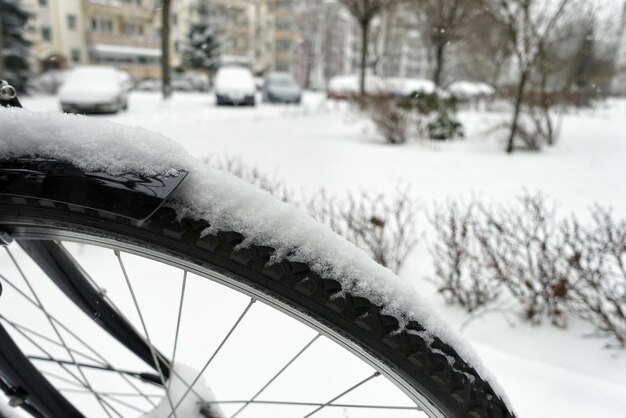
x=122 y=33
x=400 y=50
x=313 y=40
x=58 y=34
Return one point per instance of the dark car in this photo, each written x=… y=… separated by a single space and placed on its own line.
x=281 y=88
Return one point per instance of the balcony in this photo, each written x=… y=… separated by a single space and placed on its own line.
x=124 y=40
x=120 y=8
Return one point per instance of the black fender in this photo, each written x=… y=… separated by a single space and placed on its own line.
x=129 y=195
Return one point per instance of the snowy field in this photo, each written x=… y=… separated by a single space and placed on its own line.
x=546 y=372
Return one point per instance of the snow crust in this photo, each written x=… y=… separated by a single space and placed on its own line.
x=191 y=405
x=470 y=89
x=349 y=84
x=226 y=203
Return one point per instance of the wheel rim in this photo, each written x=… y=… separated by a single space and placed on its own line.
x=33 y=232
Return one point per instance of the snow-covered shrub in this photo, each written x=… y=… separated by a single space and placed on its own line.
x=445 y=126
x=391 y=120
x=460 y=272
x=437 y=114
x=383 y=225
x=596 y=255
x=523 y=250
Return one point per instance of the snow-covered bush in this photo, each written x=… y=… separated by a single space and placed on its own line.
x=596 y=255
x=461 y=274
x=523 y=250
x=552 y=268
x=254 y=176
x=383 y=225
x=445 y=126
x=437 y=114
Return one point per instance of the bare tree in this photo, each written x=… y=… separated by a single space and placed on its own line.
x=444 y=22
x=311 y=20
x=484 y=50
x=166 y=83
x=529 y=24
x=364 y=12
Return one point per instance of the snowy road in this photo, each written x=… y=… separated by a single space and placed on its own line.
x=547 y=372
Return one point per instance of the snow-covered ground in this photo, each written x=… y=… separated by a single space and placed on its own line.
x=547 y=372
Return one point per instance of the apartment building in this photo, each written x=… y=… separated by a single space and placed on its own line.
x=399 y=49
x=125 y=34
x=58 y=33
x=276 y=40
x=122 y=33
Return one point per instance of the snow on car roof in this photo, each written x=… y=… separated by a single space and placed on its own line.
x=227 y=203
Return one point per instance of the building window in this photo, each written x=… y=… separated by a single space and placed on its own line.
x=43 y=3
x=75 y=55
x=101 y=24
x=46 y=34
x=134 y=29
x=71 y=22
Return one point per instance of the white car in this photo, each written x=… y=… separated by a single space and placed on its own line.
x=94 y=89
x=235 y=85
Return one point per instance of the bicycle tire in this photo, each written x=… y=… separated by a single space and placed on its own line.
x=423 y=368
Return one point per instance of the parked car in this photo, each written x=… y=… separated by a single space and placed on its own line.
x=234 y=85
x=182 y=82
x=281 y=88
x=149 y=84
x=94 y=89
x=48 y=82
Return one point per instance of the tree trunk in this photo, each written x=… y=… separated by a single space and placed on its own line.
x=1 y=44
x=518 y=107
x=439 y=61
x=166 y=85
x=365 y=27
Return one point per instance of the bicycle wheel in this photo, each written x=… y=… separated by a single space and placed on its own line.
x=209 y=225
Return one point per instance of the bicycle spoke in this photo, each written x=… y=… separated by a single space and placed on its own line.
x=180 y=312
x=217 y=350
x=145 y=330
x=102 y=359
x=90 y=348
x=146 y=377
x=120 y=313
x=109 y=395
x=47 y=339
x=78 y=338
x=332 y=405
x=77 y=382
x=285 y=367
x=362 y=382
x=117 y=394
x=54 y=327
x=61 y=378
